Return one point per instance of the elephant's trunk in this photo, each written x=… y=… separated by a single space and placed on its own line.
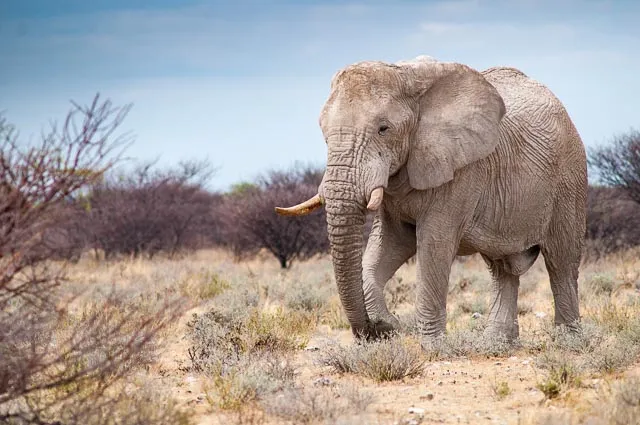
x=345 y=221
x=353 y=182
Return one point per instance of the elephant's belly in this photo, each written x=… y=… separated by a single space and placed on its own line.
x=496 y=245
x=509 y=227
x=498 y=250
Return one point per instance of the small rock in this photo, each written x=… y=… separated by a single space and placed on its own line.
x=498 y=363
x=311 y=348
x=476 y=315
x=526 y=362
x=428 y=396
x=323 y=381
x=439 y=383
x=540 y=314
x=416 y=411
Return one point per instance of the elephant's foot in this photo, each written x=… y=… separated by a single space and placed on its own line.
x=574 y=327
x=433 y=343
x=502 y=331
x=433 y=330
x=384 y=326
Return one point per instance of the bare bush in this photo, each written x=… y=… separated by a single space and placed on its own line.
x=618 y=163
x=385 y=360
x=317 y=405
x=613 y=221
x=220 y=338
x=57 y=365
x=251 y=224
x=147 y=211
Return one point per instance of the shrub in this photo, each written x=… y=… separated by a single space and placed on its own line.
x=221 y=339
x=251 y=224
x=388 y=359
x=57 y=366
x=146 y=211
x=306 y=295
x=613 y=221
x=468 y=342
x=313 y=405
x=500 y=389
x=251 y=379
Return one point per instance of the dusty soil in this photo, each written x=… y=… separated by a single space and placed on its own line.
x=458 y=391
x=455 y=391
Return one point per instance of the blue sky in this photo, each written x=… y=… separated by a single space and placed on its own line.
x=242 y=82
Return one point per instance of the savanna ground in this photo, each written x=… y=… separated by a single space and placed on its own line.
x=259 y=345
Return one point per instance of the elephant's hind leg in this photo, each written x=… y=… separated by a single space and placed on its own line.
x=562 y=250
x=562 y=259
x=503 y=311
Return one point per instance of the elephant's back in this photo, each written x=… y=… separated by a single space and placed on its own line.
x=532 y=106
x=536 y=125
x=538 y=150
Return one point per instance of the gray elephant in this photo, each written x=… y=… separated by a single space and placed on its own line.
x=455 y=162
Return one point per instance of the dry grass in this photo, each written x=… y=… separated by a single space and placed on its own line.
x=264 y=346
x=390 y=359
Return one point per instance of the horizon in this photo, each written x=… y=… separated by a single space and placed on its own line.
x=243 y=83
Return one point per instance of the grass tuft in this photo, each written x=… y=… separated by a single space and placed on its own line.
x=389 y=359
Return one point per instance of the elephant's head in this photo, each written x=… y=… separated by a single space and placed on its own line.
x=430 y=118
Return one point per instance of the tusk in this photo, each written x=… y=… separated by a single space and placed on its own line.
x=376 y=199
x=302 y=209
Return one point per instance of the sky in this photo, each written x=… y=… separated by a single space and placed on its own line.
x=242 y=82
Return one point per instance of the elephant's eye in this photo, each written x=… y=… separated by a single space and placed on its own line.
x=383 y=129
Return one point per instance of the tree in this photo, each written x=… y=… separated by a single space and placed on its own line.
x=613 y=221
x=147 y=211
x=618 y=164
x=251 y=223
x=40 y=369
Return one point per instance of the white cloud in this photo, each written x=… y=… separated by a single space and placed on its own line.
x=246 y=90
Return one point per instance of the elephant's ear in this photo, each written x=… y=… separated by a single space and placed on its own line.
x=460 y=113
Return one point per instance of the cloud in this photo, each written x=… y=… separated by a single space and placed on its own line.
x=243 y=83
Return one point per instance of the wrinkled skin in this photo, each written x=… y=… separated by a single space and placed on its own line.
x=470 y=162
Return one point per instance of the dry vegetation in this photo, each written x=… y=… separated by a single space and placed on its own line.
x=151 y=324
x=264 y=345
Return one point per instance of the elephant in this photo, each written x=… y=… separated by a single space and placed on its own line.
x=453 y=161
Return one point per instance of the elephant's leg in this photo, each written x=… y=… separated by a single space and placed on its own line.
x=437 y=246
x=562 y=250
x=390 y=244
x=562 y=261
x=503 y=311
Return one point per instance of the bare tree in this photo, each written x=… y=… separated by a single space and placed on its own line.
x=613 y=221
x=46 y=373
x=618 y=164
x=147 y=211
x=251 y=224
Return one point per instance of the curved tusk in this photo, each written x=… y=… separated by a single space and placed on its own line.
x=376 y=199
x=302 y=209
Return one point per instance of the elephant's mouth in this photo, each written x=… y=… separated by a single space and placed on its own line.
x=375 y=200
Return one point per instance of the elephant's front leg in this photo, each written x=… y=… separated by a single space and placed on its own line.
x=390 y=244
x=437 y=245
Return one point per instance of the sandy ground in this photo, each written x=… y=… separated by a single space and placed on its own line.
x=449 y=392
x=457 y=391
